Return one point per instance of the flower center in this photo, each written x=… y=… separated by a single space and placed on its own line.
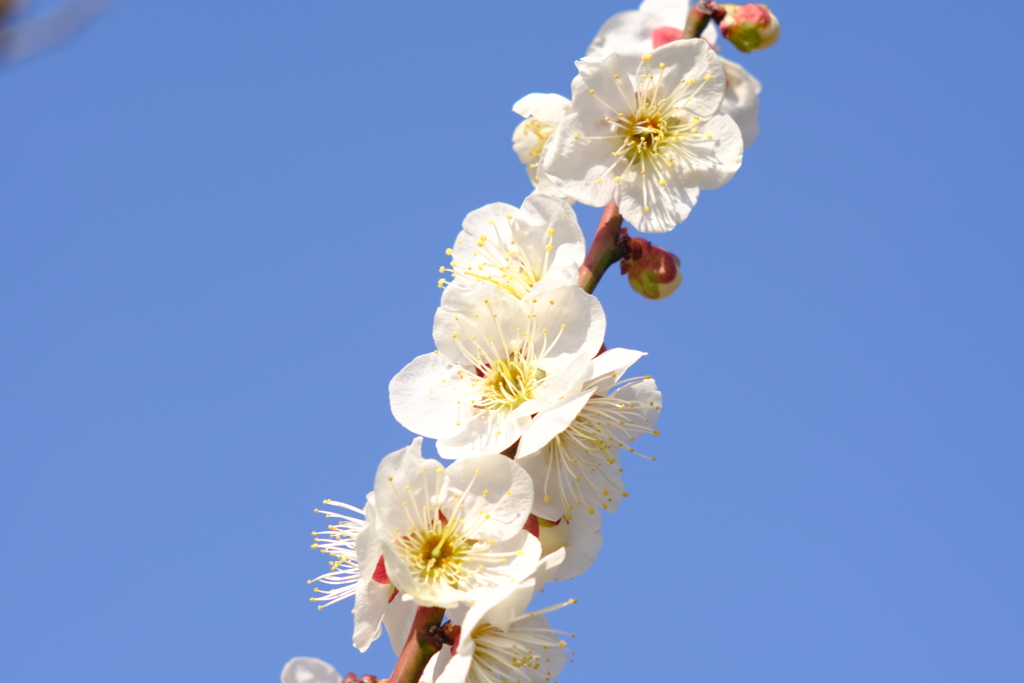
x=540 y=130
x=437 y=554
x=510 y=383
x=644 y=132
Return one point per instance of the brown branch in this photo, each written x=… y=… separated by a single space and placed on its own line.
x=425 y=640
x=605 y=250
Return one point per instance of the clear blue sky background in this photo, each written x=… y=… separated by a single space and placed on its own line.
x=220 y=228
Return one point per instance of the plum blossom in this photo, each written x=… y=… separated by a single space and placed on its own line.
x=499 y=641
x=541 y=112
x=636 y=33
x=579 y=467
x=519 y=251
x=500 y=361
x=652 y=148
x=450 y=536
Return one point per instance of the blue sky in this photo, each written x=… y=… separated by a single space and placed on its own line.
x=220 y=228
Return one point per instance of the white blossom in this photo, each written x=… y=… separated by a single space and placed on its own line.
x=519 y=251
x=451 y=535
x=500 y=361
x=651 y=149
x=630 y=35
x=541 y=112
x=579 y=468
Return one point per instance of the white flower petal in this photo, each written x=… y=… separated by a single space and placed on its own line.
x=485 y=432
x=371 y=602
x=583 y=544
x=423 y=397
x=309 y=670
x=713 y=162
x=575 y=163
x=693 y=60
x=398 y=620
x=629 y=35
x=741 y=101
x=547 y=107
x=477 y=320
x=580 y=313
x=615 y=362
x=508 y=493
x=667 y=12
x=549 y=424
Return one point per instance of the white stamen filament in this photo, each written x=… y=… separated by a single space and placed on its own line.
x=339 y=541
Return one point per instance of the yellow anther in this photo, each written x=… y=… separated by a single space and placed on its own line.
x=661 y=181
x=656 y=433
x=661 y=65
x=618 y=178
x=646 y=58
x=646 y=209
x=441 y=269
x=591 y=91
x=707 y=77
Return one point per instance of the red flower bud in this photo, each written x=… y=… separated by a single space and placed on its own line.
x=749 y=27
x=653 y=271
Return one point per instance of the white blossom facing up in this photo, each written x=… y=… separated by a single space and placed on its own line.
x=501 y=642
x=653 y=148
x=632 y=35
x=500 y=361
x=451 y=535
x=519 y=251
x=541 y=112
x=579 y=469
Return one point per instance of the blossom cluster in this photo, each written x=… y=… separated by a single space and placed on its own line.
x=534 y=417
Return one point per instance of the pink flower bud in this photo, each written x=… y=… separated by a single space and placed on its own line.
x=653 y=272
x=749 y=27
